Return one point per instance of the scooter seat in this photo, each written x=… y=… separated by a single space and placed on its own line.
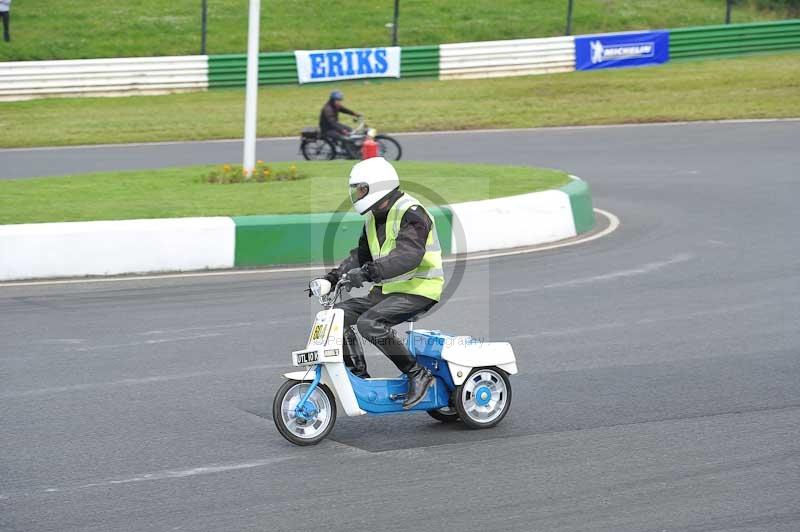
x=417 y=317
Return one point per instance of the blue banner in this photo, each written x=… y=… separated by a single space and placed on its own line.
x=615 y=50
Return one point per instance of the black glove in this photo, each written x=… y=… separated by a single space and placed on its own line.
x=368 y=272
x=373 y=274
x=357 y=276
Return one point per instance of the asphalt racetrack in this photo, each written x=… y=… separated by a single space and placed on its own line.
x=659 y=386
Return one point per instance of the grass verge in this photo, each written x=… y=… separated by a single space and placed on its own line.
x=750 y=87
x=180 y=192
x=55 y=29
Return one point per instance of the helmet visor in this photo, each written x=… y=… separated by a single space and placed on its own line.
x=358 y=191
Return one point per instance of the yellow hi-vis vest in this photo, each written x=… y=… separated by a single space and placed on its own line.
x=427 y=279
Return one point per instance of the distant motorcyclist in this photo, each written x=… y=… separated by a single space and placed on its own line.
x=399 y=252
x=329 y=124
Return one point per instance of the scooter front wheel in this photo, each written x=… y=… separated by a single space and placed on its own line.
x=484 y=399
x=307 y=426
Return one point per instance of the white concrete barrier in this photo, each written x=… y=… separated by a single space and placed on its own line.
x=21 y=80
x=514 y=221
x=506 y=58
x=76 y=249
x=30 y=251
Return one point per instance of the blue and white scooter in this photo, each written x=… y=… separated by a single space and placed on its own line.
x=471 y=378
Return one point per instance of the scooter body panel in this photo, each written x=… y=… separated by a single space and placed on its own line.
x=439 y=368
x=385 y=396
x=461 y=353
x=306 y=376
x=337 y=377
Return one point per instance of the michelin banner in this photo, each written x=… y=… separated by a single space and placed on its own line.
x=352 y=63
x=615 y=50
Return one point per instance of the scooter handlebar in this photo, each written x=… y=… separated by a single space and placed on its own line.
x=344 y=283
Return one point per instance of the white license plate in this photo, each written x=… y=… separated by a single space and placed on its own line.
x=306 y=358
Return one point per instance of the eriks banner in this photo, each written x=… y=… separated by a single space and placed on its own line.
x=352 y=63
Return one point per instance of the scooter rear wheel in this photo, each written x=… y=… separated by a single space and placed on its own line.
x=297 y=429
x=447 y=414
x=484 y=399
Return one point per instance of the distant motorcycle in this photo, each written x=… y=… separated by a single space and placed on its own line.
x=316 y=147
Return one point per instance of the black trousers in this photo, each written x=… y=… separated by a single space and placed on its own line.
x=6 y=16
x=374 y=316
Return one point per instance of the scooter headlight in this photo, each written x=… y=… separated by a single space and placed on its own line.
x=320 y=287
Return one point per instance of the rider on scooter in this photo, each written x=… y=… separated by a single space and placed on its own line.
x=399 y=252
x=329 y=124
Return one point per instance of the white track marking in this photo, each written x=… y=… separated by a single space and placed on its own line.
x=689 y=316
x=416 y=133
x=135 y=381
x=644 y=269
x=612 y=226
x=168 y=474
x=146 y=342
x=201 y=328
x=74 y=344
x=572 y=331
x=183 y=473
x=173 y=474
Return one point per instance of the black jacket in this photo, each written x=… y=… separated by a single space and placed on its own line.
x=329 y=118
x=415 y=225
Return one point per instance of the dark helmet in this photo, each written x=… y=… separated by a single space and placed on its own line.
x=337 y=95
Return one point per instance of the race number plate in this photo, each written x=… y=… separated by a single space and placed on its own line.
x=320 y=330
x=305 y=358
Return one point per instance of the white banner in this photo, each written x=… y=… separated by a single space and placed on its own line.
x=351 y=63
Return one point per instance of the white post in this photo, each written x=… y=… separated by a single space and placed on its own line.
x=251 y=101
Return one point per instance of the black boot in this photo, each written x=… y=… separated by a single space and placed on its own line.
x=419 y=380
x=354 y=354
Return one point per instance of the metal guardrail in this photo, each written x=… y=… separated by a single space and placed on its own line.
x=20 y=80
x=506 y=58
x=281 y=68
x=720 y=41
x=231 y=70
x=419 y=61
x=156 y=75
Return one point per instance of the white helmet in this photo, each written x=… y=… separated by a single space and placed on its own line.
x=371 y=180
